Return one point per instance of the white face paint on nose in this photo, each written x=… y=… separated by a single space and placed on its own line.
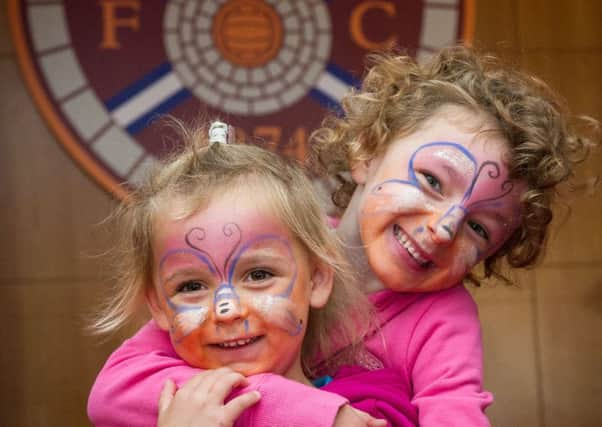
x=447 y=226
x=226 y=303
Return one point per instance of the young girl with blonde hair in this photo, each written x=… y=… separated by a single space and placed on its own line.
x=229 y=248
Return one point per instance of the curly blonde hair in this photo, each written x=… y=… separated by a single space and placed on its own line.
x=398 y=95
x=190 y=177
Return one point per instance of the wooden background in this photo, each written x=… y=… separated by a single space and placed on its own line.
x=543 y=339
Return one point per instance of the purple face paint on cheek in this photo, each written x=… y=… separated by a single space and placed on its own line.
x=464 y=259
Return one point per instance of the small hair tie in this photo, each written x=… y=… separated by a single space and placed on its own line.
x=221 y=133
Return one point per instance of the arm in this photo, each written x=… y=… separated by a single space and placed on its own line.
x=127 y=389
x=444 y=362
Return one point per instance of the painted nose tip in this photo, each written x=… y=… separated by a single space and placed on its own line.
x=225 y=310
x=445 y=233
x=446 y=227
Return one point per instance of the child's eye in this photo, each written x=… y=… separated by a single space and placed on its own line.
x=259 y=275
x=191 y=286
x=432 y=181
x=479 y=229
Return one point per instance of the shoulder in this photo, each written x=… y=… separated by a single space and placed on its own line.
x=391 y=304
x=456 y=295
x=450 y=306
x=149 y=339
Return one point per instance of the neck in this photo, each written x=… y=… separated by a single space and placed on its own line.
x=295 y=373
x=349 y=232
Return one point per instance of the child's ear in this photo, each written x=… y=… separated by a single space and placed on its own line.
x=322 y=281
x=359 y=171
x=156 y=309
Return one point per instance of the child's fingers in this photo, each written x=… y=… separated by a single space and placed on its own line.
x=209 y=385
x=166 y=396
x=204 y=380
x=376 y=423
x=236 y=406
x=192 y=384
x=225 y=383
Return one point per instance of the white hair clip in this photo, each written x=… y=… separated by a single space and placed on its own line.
x=221 y=133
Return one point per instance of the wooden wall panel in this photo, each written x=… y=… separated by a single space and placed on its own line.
x=569 y=315
x=558 y=25
x=48 y=362
x=510 y=355
x=576 y=75
x=496 y=26
x=542 y=341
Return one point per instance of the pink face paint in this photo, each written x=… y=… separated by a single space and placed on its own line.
x=234 y=285
x=437 y=202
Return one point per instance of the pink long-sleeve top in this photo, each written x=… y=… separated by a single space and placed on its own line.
x=429 y=346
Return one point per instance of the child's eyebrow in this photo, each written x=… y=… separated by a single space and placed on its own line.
x=185 y=272
x=454 y=174
x=451 y=171
x=262 y=255
x=504 y=220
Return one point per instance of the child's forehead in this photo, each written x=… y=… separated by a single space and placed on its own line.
x=459 y=120
x=254 y=211
x=454 y=132
x=235 y=205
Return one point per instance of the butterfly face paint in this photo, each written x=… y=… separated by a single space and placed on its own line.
x=233 y=287
x=438 y=202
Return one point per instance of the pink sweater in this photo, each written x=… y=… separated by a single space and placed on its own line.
x=431 y=342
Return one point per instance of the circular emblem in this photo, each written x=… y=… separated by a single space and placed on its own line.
x=246 y=33
x=248 y=57
x=102 y=72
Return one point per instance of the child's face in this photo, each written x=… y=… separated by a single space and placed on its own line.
x=437 y=202
x=234 y=288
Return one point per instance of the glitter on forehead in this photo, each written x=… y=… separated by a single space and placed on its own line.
x=462 y=164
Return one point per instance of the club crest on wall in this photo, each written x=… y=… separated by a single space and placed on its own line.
x=102 y=71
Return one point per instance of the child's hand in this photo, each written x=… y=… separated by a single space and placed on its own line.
x=201 y=400
x=351 y=417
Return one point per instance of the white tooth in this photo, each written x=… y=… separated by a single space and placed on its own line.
x=241 y=342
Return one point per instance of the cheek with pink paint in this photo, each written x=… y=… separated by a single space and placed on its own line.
x=464 y=258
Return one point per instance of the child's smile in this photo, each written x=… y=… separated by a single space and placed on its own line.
x=437 y=202
x=232 y=287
